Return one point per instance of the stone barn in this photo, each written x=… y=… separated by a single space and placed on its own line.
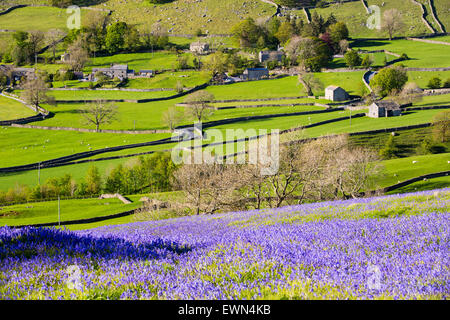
x=255 y=74
x=386 y=108
x=119 y=71
x=335 y=93
x=270 y=56
x=199 y=47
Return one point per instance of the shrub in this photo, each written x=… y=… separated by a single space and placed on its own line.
x=390 y=150
x=434 y=83
x=389 y=80
x=446 y=83
x=367 y=61
x=352 y=59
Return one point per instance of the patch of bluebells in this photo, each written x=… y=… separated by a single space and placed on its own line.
x=242 y=255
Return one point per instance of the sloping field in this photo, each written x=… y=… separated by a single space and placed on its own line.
x=11 y=109
x=31 y=18
x=356 y=17
x=185 y=16
x=376 y=248
x=421 y=54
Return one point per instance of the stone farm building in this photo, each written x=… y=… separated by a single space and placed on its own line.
x=16 y=73
x=146 y=73
x=199 y=47
x=255 y=74
x=119 y=71
x=270 y=56
x=386 y=108
x=335 y=93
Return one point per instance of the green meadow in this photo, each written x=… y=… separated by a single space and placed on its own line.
x=158 y=60
x=11 y=109
x=421 y=54
x=68 y=95
x=19 y=146
x=36 y=18
x=398 y=170
x=74 y=209
x=423 y=77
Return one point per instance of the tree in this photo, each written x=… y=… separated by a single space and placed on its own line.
x=78 y=55
x=115 y=181
x=216 y=64
x=310 y=83
x=342 y=170
x=390 y=149
x=285 y=32
x=115 y=36
x=247 y=33
x=53 y=37
x=132 y=39
x=352 y=171
x=434 y=83
x=310 y=53
x=392 y=22
x=93 y=181
x=446 y=83
x=410 y=93
x=389 y=80
x=36 y=39
x=338 y=32
x=172 y=117
x=343 y=46
x=292 y=178
x=352 y=59
x=209 y=188
x=157 y=171
x=441 y=126
x=3 y=79
x=21 y=50
x=99 y=113
x=35 y=92
x=367 y=61
x=198 y=106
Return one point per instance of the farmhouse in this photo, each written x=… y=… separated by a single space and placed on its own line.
x=16 y=74
x=199 y=47
x=255 y=74
x=384 y=109
x=270 y=56
x=146 y=73
x=119 y=71
x=335 y=93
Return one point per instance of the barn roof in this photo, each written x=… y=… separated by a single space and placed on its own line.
x=387 y=104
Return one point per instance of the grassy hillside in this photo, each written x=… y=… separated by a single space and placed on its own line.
x=30 y=18
x=354 y=14
x=421 y=54
x=11 y=109
x=217 y=17
x=185 y=16
x=44 y=212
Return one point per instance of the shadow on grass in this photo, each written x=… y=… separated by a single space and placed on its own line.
x=421 y=186
x=32 y=243
x=369 y=43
